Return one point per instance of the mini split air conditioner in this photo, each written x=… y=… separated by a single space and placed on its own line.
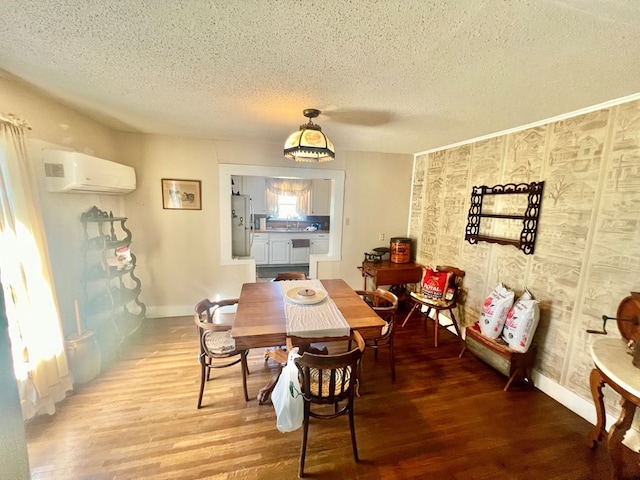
x=75 y=172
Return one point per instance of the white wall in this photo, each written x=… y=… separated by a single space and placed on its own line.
x=179 y=260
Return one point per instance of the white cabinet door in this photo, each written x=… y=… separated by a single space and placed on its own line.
x=320 y=196
x=256 y=188
x=300 y=255
x=320 y=243
x=260 y=248
x=279 y=247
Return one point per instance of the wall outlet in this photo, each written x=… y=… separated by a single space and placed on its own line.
x=381 y=236
x=346 y=221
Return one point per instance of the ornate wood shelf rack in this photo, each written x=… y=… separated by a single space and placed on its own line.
x=529 y=218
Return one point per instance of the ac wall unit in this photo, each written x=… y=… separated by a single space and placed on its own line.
x=75 y=172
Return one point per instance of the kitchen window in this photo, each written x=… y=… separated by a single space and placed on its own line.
x=288 y=206
x=288 y=198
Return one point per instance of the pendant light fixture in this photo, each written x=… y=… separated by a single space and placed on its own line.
x=309 y=144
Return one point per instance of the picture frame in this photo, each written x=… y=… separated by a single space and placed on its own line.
x=178 y=194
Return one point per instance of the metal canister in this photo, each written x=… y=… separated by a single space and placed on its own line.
x=400 y=250
x=84 y=356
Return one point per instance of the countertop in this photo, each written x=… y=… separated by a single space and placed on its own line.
x=284 y=230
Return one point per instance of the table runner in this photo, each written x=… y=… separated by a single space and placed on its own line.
x=322 y=319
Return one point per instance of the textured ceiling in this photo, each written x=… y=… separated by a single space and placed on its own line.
x=389 y=76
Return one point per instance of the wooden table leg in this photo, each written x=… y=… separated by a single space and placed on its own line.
x=616 y=435
x=436 y=326
x=596 y=382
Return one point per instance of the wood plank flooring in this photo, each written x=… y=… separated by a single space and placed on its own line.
x=444 y=418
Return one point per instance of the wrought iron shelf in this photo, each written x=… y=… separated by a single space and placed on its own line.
x=500 y=215
x=529 y=218
x=501 y=241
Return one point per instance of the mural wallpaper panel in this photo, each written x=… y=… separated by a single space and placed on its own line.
x=612 y=266
x=417 y=196
x=476 y=259
x=485 y=168
x=587 y=253
x=525 y=151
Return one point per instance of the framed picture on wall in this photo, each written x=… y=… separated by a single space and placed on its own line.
x=181 y=194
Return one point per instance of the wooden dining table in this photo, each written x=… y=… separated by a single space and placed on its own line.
x=260 y=320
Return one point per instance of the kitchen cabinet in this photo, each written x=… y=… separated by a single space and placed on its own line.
x=279 y=249
x=320 y=197
x=237 y=185
x=256 y=188
x=319 y=243
x=260 y=248
x=299 y=255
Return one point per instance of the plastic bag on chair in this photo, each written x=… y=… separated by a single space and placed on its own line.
x=286 y=397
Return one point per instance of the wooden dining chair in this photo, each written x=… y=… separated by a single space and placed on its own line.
x=455 y=282
x=385 y=304
x=217 y=347
x=290 y=276
x=329 y=380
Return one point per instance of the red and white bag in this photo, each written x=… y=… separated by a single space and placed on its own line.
x=495 y=310
x=434 y=283
x=522 y=321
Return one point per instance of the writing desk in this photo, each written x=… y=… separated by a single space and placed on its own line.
x=389 y=273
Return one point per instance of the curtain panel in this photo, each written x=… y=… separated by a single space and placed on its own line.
x=35 y=329
x=296 y=187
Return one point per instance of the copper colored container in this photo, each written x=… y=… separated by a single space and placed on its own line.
x=400 y=250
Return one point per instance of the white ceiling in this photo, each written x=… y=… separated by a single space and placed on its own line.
x=390 y=76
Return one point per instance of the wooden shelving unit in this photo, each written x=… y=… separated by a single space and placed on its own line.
x=111 y=290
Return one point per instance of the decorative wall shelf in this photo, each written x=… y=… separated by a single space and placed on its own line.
x=529 y=217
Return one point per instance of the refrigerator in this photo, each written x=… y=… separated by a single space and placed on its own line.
x=241 y=225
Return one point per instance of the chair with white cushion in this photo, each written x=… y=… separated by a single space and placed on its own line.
x=217 y=348
x=329 y=380
x=448 y=303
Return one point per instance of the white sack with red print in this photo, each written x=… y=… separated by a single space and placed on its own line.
x=522 y=321
x=494 y=312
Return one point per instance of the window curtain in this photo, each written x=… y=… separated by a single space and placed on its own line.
x=37 y=342
x=299 y=188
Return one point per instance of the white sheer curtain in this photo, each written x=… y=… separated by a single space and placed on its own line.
x=299 y=188
x=37 y=341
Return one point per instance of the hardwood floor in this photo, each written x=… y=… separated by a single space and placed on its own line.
x=444 y=418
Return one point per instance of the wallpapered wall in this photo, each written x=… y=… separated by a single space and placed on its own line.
x=587 y=252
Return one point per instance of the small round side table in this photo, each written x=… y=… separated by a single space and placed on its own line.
x=613 y=366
